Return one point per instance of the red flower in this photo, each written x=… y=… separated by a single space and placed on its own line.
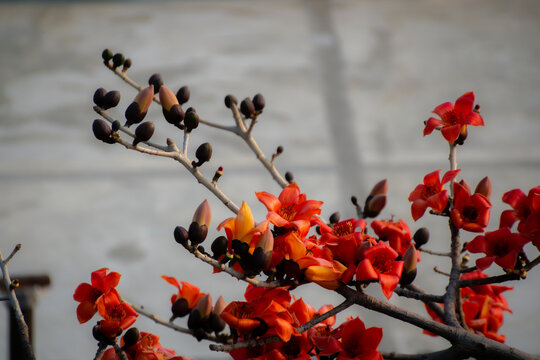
x=501 y=246
x=454 y=118
x=88 y=294
x=526 y=210
x=117 y=314
x=380 y=264
x=358 y=342
x=470 y=213
x=493 y=291
x=397 y=233
x=291 y=209
x=186 y=291
x=325 y=339
x=431 y=193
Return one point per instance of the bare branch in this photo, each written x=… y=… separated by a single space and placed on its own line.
x=430 y=252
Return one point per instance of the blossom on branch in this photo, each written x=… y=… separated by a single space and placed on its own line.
x=470 y=212
x=431 y=193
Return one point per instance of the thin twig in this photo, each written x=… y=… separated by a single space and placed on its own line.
x=418 y=296
x=186 y=141
x=21 y=324
x=439 y=271
x=272 y=339
x=431 y=252
x=119 y=352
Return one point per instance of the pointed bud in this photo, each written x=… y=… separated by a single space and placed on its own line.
x=259 y=102
x=205 y=306
x=230 y=100
x=410 y=259
x=465 y=184
x=143 y=132
x=484 y=187
x=136 y=111
x=217 y=324
x=156 y=80
x=99 y=97
x=219 y=306
x=102 y=131
x=266 y=242
x=381 y=188
x=167 y=98
x=374 y=206
x=181 y=235
x=107 y=55
x=247 y=108
x=203 y=154
x=118 y=60
x=421 y=237
x=183 y=95
x=144 y=98
x=203 y=214
x=194 y=320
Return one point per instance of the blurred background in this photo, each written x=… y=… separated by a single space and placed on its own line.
x=348 y=85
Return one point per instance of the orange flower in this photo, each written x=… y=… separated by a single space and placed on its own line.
x=242 y=227
x=186 y=291
x=117 y=314
x=396 y=232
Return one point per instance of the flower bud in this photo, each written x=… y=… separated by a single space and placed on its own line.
x=180 y=308
x=183 y=95
x=197 y=233
x=203 y=154
x=410 y=259
x=484 y=187
x=167 y=98
x=143 y=132
x=266 y=242
x=217 y=174
x=116 y=125
x=204 y=306
x=421 y=237
x=203 y=214
x=98 y=334
x=131 y=336
x=181 y=235
x=380 y=188
x=127 y=65
x=102 y=131
x=289 y=177
x=99 y=97
x=111 y=99
x=374 y=205
x=465 y=184
x=217 y=324
x=194 y=320
x=259 y=102
x=230 y=100
x=219 y=246
x=334 y=218
x=136 y=111
x=118 y=60
x=191 y=119
x=156 y=80
x=247 y=108
x=107 y=55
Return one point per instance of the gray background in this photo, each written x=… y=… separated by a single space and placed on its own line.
x=348 y=85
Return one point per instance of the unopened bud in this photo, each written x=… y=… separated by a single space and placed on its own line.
x=203 y=154
x=374 y=206
x=191 y=119
x=247 y=108
x=167 y=98
x=219 y=246
x=197 y=233
x=334 y=218
x=381 y=188
x=181 y=235
x=156 y=80
x=259 y=102
x=421 y=237
x=465 y=184
x=217 y=174
x=107 y=55
x=204 y=306
x=180 y=308
x=111 y=99
x=289 y=177
x=484 y=187
x=216 y=322
x=183 y=95
x=203 y=214
x=354 y=200
x=127 y=65
x=194 y=320
x=99 y=97
x=410 y=259
x=118 y=60
x=266 y=242
x=143 y=132
x=131 y=336
x=230 y=100
x=136 y=111
x=102 y=131
x=116 y=125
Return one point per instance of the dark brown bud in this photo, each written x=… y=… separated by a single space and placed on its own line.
x=98 y=335
x=130 y=337
x=230 y=100
x=203 y=154
x=334 y=218
x=279 y=150
x=118 y=60
x=247 y=108
x=183 y=95
x=156 y=80
x=99 y=97
x=112 y=98
x=197 y=233
x=102 y=131
x=289 y=177
x=107 y=55
x=133 y=114
x=181 y=235
x=175 y=115
x=219 y=246
x=354 y=200
x=116 y=125
x=180 y=308
x=191 y=119
x=410 y=259
x=217 y=324
x=194 y=320
x=484 y=187
x=127 y=65
x=143 y=132
x=421 y=237
x=374 y=205
x=259 y=102
x=477 y=108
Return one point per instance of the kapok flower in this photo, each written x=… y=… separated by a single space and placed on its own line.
x=326 y=273
x=242 y=227
x=493 y=291
x=454 y=118
x=358 y=342
x=325 y=339
x=189 y=292
x=397 y=233
x=500 y=246
x=526 y=210
x=117 y=315
x=88 y=294
x=431 y=193
x=290 y=209
x=470 y=212
x=380 y=264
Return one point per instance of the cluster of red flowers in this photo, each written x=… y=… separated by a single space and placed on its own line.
x=102 y=297
x=483 y=307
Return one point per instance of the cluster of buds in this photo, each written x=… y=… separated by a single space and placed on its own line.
x=198 y=229
x=115 y=60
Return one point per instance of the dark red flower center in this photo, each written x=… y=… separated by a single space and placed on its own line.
x=470 y=213
x=383 y=264
x=500 y=248
x=287 y=212
x=451 y=118
x=116 y=312
x=343 y=228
